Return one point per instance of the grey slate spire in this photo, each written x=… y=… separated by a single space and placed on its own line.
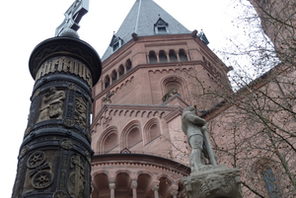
x=145 y=18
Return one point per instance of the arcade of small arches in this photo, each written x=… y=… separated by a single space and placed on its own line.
x=161 y=57
x=164 y=56
x=117 y=73
x=133 y=185
x=133 y=137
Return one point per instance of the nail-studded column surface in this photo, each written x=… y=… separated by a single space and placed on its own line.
x=54 y=159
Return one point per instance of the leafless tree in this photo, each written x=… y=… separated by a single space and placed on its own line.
x=254 y=127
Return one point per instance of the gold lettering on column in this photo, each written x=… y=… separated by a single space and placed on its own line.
x=65 y=64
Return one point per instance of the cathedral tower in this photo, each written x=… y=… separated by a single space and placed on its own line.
x=152 y=69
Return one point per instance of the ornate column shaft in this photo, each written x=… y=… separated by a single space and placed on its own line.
x=173 y=190
x=54 y=158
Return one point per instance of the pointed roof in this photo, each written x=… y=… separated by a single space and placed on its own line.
x=145 y=18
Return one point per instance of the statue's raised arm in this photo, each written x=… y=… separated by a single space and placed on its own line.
x=72 y=17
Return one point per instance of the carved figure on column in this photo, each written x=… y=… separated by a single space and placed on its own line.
x=76 y=177
x=52 y=105
x=80 y=112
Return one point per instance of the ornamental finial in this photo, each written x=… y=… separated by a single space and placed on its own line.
x=73 y=16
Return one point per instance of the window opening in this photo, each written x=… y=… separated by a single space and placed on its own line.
x=114 y=76
x=270 y=183
x=173 y=56
x=152 y=57
x=128 y=65
x=121 y=70
x=107 y=81
x=162 y=56
x=161 y=27
x=182 y=55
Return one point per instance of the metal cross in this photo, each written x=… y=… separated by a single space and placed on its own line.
x=73 y=16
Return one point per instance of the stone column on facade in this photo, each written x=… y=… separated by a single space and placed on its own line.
x=155 y=189
x=55 y=156
x=112 y=187
x=173 y=190
x=134 y=186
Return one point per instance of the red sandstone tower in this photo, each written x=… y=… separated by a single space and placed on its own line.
x=150 y=73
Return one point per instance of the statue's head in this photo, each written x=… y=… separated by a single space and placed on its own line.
x=189 y=108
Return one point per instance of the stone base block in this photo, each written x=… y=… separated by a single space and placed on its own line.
x=213 y=182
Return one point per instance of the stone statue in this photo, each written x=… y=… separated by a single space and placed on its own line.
x=72 y=18
x=195 y=129
x=206 y=179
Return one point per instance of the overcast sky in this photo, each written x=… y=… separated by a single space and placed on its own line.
x=25 y=23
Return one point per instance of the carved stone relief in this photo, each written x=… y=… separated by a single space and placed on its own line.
x=66 y=144
x=80 y=115
x=77 y=177
x=52 y=105
x=65 y=64
x=39 y=170
x=42 y=179
x=60 y=194
x=36 y=159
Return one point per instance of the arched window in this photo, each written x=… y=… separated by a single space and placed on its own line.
x=132 y=136
x=152 y=57
x=182 y=55
x=121 y=70
x=107 y=81
x=270 y=183
x=172 y=86
x=108 y=141
x=122 y=183
x=173 y=56
x=264 y=167
x=162 y=56
x=114 y=75
x=151 y=130
x=128 y=65
x=164 y=186
x=101 y=186
x=144 y=180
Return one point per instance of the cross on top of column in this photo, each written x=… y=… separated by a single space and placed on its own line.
x=72 y=17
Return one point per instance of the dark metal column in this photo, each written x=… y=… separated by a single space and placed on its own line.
x=55 y=156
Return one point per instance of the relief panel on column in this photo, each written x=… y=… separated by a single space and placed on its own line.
x=39 y=174
x=52 y=105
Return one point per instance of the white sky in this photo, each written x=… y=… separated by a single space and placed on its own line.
x=25 y=23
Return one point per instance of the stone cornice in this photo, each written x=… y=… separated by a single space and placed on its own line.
x=140 y=160
x=144 y=39
x=161 y=111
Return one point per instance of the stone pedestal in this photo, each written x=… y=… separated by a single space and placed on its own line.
x=213 y=182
